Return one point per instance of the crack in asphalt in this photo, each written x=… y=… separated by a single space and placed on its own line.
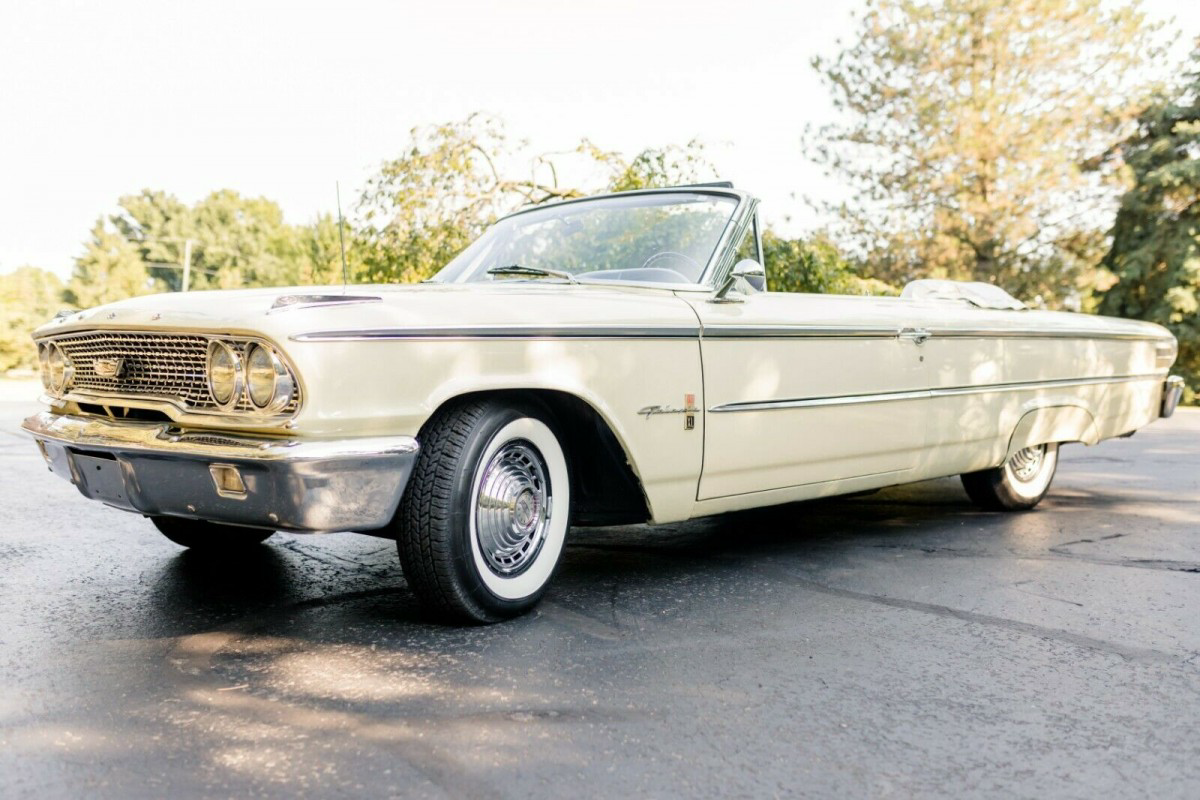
x=1129 y=653
x=1045 y=596
x=1056 y=554
x=578 y=621
x=376 y=570
x=1133 y=654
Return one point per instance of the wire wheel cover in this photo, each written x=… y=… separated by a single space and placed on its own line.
x=512 y=512
x=1026 y=464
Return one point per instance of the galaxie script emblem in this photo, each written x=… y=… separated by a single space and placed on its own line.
x=688 y=410
x=110 y=367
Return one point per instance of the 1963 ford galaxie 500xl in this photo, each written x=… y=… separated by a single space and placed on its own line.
x=606 y=360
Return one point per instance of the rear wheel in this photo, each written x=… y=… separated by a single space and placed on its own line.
x=485 y=513
x=1019 y=483
x=199 y=534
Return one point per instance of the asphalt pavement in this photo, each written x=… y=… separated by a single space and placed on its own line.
x=894 y=645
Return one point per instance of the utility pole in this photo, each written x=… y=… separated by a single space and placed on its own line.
x=187 y=263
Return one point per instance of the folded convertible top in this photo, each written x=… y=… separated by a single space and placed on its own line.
x=983 y=295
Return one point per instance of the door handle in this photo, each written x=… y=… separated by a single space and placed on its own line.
x=914 y=335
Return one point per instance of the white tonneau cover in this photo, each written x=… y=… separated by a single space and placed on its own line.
x=983 y=295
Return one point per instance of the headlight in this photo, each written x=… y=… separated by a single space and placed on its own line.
x=43 y=355
x=268 y=379
x=58 y=369
x=224 y=374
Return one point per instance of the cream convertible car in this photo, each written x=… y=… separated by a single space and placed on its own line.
x=606 y=360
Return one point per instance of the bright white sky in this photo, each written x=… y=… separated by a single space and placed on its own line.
x=281 y=99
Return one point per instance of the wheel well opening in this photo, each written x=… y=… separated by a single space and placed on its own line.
x=605 y=490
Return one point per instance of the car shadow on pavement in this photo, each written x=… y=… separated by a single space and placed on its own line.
x=312 y=649
x=261 y=586
x=196 y=591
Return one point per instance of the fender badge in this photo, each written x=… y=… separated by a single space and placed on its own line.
x=688 y=410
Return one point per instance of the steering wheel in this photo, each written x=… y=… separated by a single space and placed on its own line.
x=673 y=254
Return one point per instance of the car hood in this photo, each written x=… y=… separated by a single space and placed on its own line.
x=283 y=313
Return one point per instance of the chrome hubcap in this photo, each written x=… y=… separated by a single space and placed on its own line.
x=513 y=508
x=1026 y=464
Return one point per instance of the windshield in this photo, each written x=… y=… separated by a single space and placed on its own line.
x=659 y=238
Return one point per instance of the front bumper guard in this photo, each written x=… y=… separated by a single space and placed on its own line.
x=282 y=484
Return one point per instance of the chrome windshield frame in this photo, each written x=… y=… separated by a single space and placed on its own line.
x=719 y=262
x=743 y=218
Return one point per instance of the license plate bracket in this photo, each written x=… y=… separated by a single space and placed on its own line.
x=100 y=479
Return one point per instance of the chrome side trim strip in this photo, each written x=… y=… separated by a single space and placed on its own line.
x=1073 y=333
x=1028 y=385
x=716 y=332
x=922 y=394
x=503 y=332
x=889 y=332
x=799 y=332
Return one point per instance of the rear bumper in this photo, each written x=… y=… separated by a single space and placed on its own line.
x=1172 y=391
x=282 y=484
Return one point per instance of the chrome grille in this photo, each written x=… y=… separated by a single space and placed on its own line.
x=162 y=366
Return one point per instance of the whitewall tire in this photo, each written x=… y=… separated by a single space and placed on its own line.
x=1019 y=483
x=485 y=515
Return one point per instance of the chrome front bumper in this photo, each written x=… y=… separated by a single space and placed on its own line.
x=283 y=484
x=1172 y=391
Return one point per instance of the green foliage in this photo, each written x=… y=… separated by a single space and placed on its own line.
x=28 y=297
x=110 y=268
x=425 y=206
x=655 y=167
x=235 y=241
x=455 y=179
x=320 y=259
x=1155 y=254
x=965 y=122
x=415 y=214
x=815 y=266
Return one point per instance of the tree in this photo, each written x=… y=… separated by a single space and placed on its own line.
x=814 y=265
x=320 y=260
x=230 y=240
x=1155 y=253
x=235 y=241
x=157 y=225
x=654 y=167
x=28 y=297
x=454 y=179
x=966 y=122
x=426 y=205
x=110 y=268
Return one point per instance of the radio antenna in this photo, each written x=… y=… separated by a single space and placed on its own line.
x=342 y=238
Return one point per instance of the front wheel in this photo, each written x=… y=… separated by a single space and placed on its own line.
x=485 y=514
x=199 y=534
x=1017 y=484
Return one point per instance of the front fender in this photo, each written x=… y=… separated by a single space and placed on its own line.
x=393 y=387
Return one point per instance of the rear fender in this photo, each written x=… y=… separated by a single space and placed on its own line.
x=1059 y=423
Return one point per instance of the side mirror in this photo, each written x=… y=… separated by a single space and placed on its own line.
x=748 y=270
